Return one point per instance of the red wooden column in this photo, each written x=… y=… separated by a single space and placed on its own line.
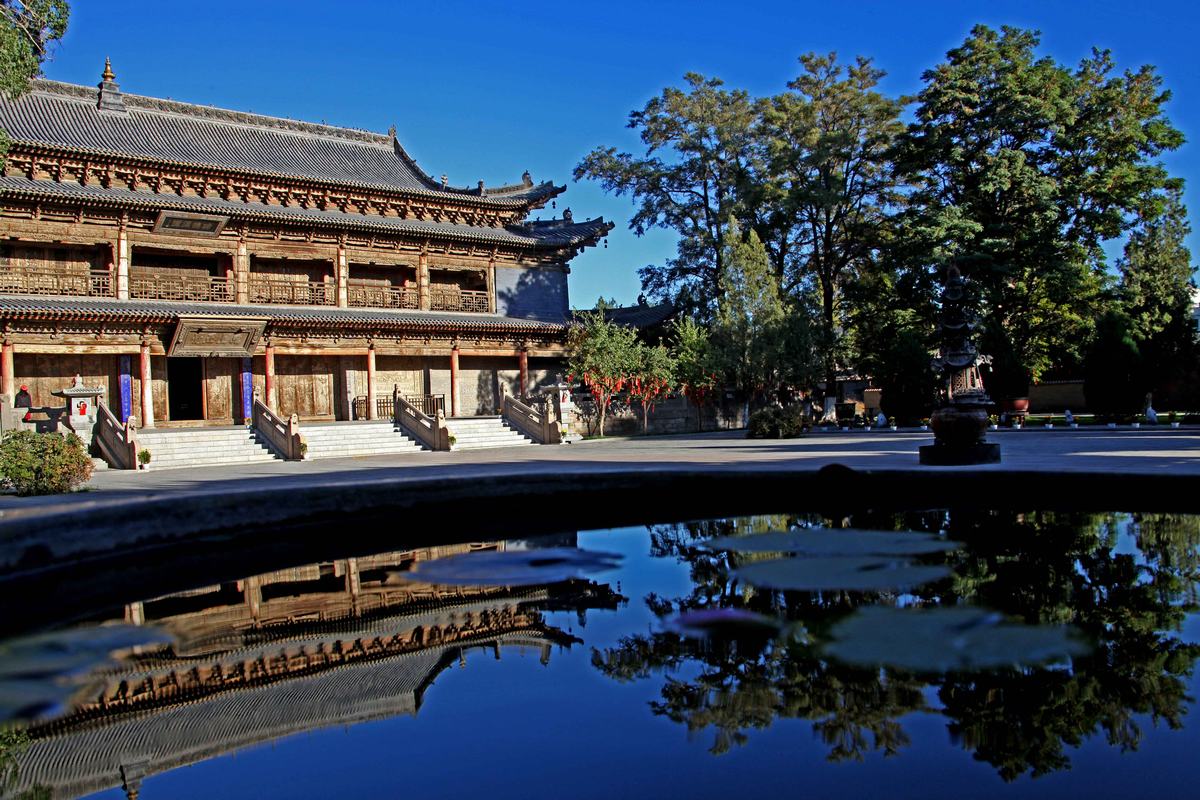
x=371 y=382
x=523 y=361
x=454 y=382
x=147 y=388
x=9 y=380
x=269 y=376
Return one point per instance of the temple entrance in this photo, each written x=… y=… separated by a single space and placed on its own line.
x=185 y=389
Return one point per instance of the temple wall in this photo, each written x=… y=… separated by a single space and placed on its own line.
x=535 y=293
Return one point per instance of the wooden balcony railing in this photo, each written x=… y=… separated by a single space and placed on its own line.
x=30 y=280
x=443 y=299
x=287 y=292
x=368 y=295
x=191 y=288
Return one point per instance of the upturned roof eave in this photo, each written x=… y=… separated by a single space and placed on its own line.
x=536 y=196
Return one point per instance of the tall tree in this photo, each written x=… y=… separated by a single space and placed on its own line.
x=27 y=30
x=1023 y=169
x=748 y=314
x=828 y=177
x=1156 y=271
x=697 y=143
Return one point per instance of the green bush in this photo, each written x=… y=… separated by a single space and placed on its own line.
x=777 y=423
x=43 y=463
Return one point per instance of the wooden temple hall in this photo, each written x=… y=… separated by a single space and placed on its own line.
x=185 y=258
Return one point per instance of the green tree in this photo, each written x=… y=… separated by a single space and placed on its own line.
x=829 y=182
x=28 y=28
x=1023 y=169
x=603 y=356
x=652 y=379
x=697 y=151
x=749 y=314
x=1114 y=372
x=1155 y=292
x=695 y=364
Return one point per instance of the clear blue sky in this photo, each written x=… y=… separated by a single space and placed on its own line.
x=487 y=90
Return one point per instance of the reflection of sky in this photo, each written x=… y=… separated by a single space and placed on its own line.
x=514 y=728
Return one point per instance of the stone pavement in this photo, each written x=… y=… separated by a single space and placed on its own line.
x=1160 y=451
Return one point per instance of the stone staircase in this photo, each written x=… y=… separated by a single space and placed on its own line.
x=477 y=433
x=346 y=440
x=202 y=447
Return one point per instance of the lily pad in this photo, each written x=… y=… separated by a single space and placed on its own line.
x=512 y=568
x=725 y=623
x=865 y=574
x=946 y=639
x=836 y=542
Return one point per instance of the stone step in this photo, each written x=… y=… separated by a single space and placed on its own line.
x=199 y=447
x=488 y=445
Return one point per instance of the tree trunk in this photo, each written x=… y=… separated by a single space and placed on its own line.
x=827 y=323
x=645 y=418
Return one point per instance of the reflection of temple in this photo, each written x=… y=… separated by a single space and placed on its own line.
x=294 y=650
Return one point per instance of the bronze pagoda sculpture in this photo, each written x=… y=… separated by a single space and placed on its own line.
x=960 y=425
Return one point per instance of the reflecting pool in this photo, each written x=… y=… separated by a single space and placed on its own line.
x=919 y=654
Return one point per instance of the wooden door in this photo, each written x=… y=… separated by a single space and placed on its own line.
x=305 y=386
x=220 y=380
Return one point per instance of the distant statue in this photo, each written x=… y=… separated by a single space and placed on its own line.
x=1151 y=415
x=1069 y=417
x=881 y=421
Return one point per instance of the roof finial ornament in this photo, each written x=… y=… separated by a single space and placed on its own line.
x=567 y=216
x=445 y=180
x=392 y=132
x=526 y=178
x=482 y=191
x=109 y=97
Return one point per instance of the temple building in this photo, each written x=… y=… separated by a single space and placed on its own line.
x=184 y=258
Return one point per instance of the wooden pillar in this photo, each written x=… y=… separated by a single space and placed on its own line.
x=523 y=364
x=423 y=281
x=269 y=376
x=9 y=380
x=341 y=270
x=241 y=273
x=454 y=409
x=147 y=388
x=491 y=289
x=371 y=382
x=121 y=256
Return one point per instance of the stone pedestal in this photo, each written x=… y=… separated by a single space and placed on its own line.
x=959 y=438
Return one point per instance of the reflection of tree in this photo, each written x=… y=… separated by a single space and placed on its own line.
x=1042 y=567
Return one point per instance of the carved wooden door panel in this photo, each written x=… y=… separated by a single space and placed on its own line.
x=219 y=382
x=305 y=386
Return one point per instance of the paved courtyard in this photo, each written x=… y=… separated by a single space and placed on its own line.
x=1159 y=451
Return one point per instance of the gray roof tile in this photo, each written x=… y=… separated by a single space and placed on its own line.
x=43 y=307
x=66 y=115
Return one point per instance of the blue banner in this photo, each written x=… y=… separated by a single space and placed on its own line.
x=125 y=376
x=247 y=388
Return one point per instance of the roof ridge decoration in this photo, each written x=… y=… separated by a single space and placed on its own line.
x=108 y=97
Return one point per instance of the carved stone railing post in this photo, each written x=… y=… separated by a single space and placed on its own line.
x=282 y=435
x=429 y=431
x=537 y=424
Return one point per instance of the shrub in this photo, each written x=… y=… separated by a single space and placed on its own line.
x=777 y=423
x=43 y=463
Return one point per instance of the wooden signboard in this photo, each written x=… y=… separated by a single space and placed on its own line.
x=216 y=337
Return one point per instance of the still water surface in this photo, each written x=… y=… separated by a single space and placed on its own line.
x=985 y=655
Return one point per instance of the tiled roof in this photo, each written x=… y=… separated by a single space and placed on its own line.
x=639 y=316
x=548 y=234
x=66 y=308
x=66 y=115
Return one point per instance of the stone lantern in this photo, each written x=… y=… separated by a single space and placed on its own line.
x=81 y=402
x=960 y=425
